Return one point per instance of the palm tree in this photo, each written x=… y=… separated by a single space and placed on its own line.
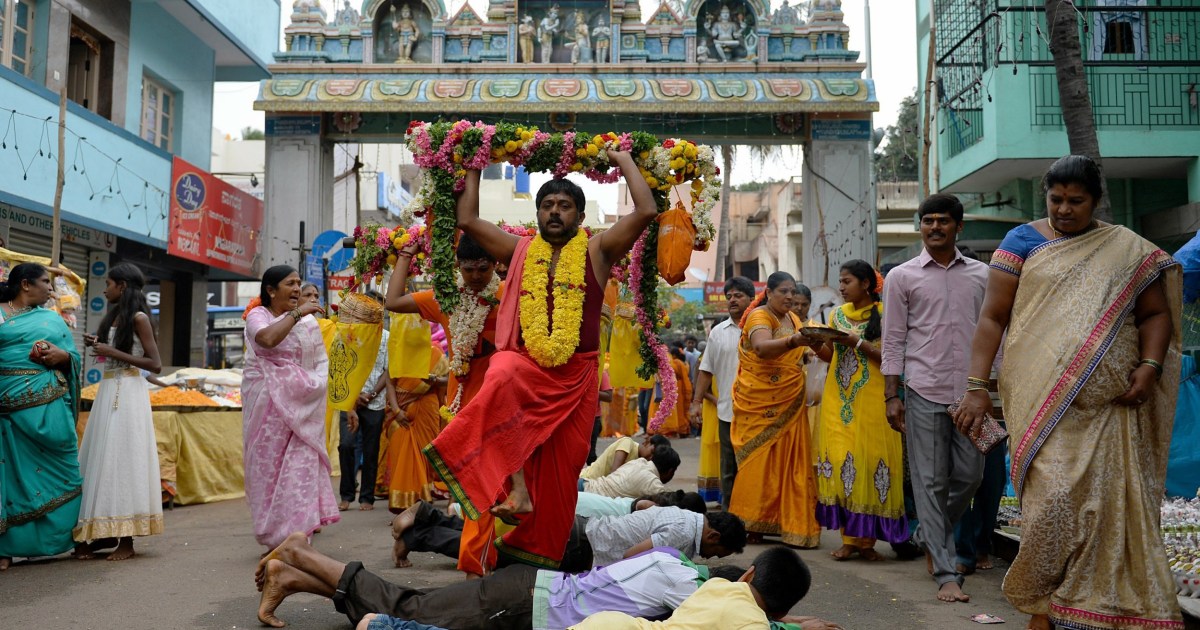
x=1076 y=102
x=723 y=245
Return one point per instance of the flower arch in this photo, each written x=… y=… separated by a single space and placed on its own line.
x=446 y=150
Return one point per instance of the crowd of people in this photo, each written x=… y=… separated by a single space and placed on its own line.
x=1077 y=320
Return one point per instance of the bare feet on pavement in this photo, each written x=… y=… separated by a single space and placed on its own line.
x=929 y=562
x=951 y=592
x=869 y=554
x=273 y=593
x=5 y=563
x=366 y=507
x=281 y=553
x=124 y=550
x=843 y=553
x=983 y=562
x=1039 y=622
x=400 y=524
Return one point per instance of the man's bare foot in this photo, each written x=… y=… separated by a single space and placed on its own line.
x=366 y=507
x=951 y=592
x=343 y=506
x=983 y=562
x=124 y=550
x=273 y=594
x=843 y=553
x=517 y=503
x=401 y=524
x=964 y=569
x=869 y=554
x=5 y=563
x=1039 y=622
x=281 y=553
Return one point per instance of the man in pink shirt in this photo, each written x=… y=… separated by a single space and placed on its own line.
x=932 y=306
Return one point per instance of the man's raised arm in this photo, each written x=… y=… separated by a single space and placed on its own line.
x=491 y=238
x=617 y=240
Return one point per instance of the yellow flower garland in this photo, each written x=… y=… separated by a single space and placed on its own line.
x=552 y=348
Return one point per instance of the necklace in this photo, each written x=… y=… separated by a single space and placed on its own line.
x=552 y=344
x=13 y=311
x=1060 y=234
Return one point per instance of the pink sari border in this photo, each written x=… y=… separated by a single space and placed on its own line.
x=1082 y=366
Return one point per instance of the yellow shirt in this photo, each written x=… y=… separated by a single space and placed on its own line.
x=600 y=467
x=717 y=604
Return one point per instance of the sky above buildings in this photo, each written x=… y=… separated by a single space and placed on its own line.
x=894 y=69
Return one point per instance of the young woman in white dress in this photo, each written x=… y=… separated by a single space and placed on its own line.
x=122 y=493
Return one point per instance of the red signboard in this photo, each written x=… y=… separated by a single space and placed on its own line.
x=340 y=283
x=213 y=222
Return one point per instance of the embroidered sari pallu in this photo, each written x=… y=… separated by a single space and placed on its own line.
x=775 y=492
x=1089 y=473
x=40 y=484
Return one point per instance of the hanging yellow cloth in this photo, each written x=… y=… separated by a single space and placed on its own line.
x=351 y=357
x=624 y=359
x=410 y=346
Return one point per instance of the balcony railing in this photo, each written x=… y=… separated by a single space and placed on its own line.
x=1124 y=98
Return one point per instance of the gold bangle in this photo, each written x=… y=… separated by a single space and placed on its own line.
x=1158 y=367
x=982 y=382
x=977 y=389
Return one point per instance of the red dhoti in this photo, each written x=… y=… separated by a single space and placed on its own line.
x=529 y=416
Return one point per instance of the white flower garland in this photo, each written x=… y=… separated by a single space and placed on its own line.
x=467 y=321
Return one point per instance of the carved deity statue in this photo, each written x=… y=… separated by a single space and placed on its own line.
x=547 y=29
x=785 y=15
x=702 y=50
x=725 y=34
x=602 y=35
x=581 y=48
x=407 y=33
x=525 y=33
x=346 y=16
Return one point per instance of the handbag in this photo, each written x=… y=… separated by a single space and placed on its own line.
x=988 y=435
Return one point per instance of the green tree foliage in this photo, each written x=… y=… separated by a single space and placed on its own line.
x=685 y=320
x=250 y=133
x=899 y=158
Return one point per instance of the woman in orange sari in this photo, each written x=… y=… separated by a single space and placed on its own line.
x=676 y=424
x=776 y=490
x=413 y=421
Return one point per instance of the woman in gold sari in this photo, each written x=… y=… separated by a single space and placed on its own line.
x=775 y=491
x=1090 y=374
x=413 y=421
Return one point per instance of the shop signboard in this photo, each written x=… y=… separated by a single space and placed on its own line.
x=213 y=222
x=714 y=295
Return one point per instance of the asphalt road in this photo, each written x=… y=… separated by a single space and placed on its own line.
x=199 y=574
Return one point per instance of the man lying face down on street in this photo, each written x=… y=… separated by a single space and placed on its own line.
x=648 y=585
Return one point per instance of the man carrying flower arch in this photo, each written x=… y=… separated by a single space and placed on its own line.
x=471 y=333
x=532 y=418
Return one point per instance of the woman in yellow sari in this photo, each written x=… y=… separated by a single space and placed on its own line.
x=676 y=424
x=413 y=421
x=860 y=459
x=775 y=492
x=708 y=477
x=1089 y=383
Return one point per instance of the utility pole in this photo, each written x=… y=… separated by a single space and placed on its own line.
x=302 y=249
x=56 y=235
x=867 y=24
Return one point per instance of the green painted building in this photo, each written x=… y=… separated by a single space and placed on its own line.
x=999 y=125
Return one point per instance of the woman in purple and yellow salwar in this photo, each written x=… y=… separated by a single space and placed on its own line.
x=1089 y=380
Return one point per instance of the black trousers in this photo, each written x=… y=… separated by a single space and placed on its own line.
x=729 y=467
x=501 y=601
x=370 y=425
x=433 y=530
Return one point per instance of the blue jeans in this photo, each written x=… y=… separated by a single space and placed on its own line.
x=973 y=535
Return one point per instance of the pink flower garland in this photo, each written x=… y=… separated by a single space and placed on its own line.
x=483 y=155
x=666 y=377
x=568 y=156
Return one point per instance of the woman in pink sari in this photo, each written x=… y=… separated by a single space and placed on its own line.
x=283 y=415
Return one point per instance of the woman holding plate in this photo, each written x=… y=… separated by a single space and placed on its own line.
x=860 y=459
x=1089 y=383
x=775 y=492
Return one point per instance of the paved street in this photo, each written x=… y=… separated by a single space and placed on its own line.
x=200 y=575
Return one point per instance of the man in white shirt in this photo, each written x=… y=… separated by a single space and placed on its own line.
x=720 y=362
x=716 y=534
x=638 y=478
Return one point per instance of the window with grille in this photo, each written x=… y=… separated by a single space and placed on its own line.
x=16 y=34
x=158 y=114
x=1118 y=38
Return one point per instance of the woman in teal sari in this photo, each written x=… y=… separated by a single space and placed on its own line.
x=39 y=463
